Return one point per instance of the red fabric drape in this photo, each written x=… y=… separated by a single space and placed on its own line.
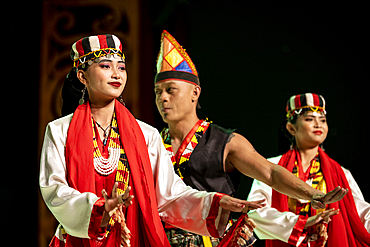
x=345 y=229
x=142 y=217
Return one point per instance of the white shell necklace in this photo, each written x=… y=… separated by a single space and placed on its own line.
x=106 y=166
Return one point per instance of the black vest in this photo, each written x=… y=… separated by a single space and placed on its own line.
x=205 y=171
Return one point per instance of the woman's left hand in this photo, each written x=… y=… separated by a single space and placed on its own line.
x=321 y=217
x=237 y=205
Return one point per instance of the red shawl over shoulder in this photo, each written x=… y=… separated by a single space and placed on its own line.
x=345 y=229
x=142 y=217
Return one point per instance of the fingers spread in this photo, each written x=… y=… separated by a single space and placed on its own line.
x=114 y=190
x=128 y=202
x=329 y=213
x=125 y=195
x=125 y=199
x=105 y=195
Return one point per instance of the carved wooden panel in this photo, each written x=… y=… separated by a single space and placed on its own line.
x=63 y=23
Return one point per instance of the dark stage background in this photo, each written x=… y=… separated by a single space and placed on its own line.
x=251 y=58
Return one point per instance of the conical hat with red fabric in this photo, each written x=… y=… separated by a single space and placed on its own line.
x=173 y=62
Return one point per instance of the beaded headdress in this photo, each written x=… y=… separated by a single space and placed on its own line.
x=87 y=49
x=308 y=101
x=173 y=62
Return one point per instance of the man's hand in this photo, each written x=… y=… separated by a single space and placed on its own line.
x=237 y=205
x=319 y=201
x=324 y=217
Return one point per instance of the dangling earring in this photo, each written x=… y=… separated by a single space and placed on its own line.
x=322 y=146
x=292 y=144
x=82 y=100
x=120 y=99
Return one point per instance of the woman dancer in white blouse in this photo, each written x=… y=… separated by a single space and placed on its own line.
x=91 y=157
x=291 y=222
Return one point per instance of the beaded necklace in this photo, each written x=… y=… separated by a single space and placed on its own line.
x=122 y=177
x=316 y=180
x=117 y=159
x=106 y=166
x=105 y=132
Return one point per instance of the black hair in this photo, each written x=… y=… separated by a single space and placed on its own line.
x=285 y=139
x=72 y=91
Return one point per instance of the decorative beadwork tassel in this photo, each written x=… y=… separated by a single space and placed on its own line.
x=240 y=234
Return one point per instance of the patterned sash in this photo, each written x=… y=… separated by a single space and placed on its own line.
x=186 y=148
x=142 y=216
x=123 y=169
x=241 y=232
x=316 y=180
x=179 y=161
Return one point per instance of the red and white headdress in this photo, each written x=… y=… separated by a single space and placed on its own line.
x=309 y=101
x=92 y=47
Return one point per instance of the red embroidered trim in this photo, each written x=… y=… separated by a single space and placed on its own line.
x=186 y=141
x=56 y=242
x=212 y=215
x=188 y=145
x=96 y=218
x=297 y=230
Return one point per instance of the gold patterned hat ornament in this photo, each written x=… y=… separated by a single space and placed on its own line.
x=88 y=49
x=308 y=101
x=174 y=63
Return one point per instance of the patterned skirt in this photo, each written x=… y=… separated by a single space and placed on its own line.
x=181 y=238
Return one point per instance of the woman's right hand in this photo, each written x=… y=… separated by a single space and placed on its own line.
x=115 y=200
x=324 y=217
x=111 y=204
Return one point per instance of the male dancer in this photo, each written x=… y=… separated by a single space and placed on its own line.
x=205 y=155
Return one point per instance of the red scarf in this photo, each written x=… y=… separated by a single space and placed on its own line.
x=345 y=229
x=142 y=216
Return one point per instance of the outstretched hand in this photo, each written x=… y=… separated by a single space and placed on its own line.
x=319 y=201
x=237 y=205
x=321 y=217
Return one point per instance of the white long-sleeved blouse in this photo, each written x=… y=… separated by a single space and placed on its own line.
x=273 y=224
x=178 y=204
